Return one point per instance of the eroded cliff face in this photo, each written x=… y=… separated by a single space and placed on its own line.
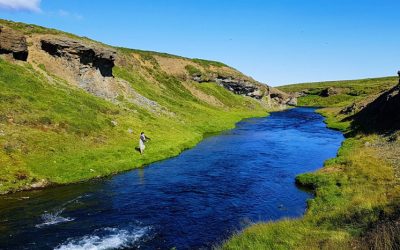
x=83 y=57
x=87 y=65
x=247 y=87
x=13 y=43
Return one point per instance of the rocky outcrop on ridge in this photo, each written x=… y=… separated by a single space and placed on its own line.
x=249 y=88
x=282 y=97
x=89 y=56
x=241 y=87
x=90 y=66
x=14 y=43
x=85 y=64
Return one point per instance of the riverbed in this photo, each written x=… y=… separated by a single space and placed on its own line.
x=192 y=201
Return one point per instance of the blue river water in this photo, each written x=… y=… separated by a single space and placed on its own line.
x=193 y=201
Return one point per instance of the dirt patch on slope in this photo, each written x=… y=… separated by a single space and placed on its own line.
x=174 y=66
x=202 y=96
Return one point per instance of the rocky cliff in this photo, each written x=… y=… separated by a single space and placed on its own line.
x=248 y=87
x=81 y=56
x=13 y=43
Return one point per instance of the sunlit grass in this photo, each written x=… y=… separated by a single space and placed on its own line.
x=353 y=191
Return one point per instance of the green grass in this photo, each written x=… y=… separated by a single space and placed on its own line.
x=63 y=134
x=350 y=91
x=192 y=70
x=208 y=63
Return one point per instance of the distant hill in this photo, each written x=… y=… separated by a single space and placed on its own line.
x=339 y=93
x=368 y=104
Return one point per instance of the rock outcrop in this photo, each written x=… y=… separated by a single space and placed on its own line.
x=352 y=108
x=85 y=64
x=300 y=93
x=89 y=56
x=89 y=66
x=249 y=88
x=281 y=97
x=14 y=43
x=382 y=114
x=241 y=87
x=329 y=92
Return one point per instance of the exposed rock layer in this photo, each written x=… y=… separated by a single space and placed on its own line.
x=248 y=88
x=14 y=43
x=88 y=55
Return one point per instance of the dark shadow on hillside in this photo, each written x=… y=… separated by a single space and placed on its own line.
x=384 y=233
x=381 y=116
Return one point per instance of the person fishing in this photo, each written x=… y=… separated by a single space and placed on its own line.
x=398 y=72
x=142 y=140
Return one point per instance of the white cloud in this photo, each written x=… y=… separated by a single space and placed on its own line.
x=28 y=5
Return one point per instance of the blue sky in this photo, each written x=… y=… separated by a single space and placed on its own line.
x=275 y=42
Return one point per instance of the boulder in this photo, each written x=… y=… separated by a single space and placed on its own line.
x=329 y=92
x=92 y=56
x=39 y=184
x=14 y=43
x=292 y=101
x=282 y=97
x=300 y=93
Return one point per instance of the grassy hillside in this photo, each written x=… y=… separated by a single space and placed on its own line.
x=357 y=194
x=54 y=132
x=347 y=91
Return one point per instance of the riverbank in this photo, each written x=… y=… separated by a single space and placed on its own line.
x=357 y=194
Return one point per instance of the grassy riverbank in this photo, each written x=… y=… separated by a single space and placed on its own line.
x=357 y=195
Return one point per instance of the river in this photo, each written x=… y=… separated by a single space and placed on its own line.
x=192 y=201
